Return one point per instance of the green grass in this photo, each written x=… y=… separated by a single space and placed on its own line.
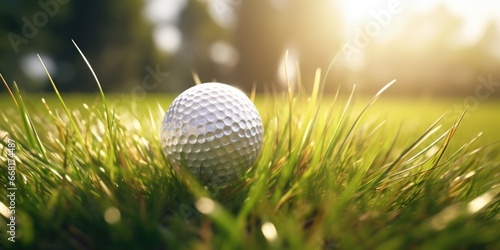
x=335 y=172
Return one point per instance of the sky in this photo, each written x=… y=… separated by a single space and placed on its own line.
x=164 y=14
x=475 y=14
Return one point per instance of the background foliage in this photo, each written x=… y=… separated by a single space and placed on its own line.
x=421 y=49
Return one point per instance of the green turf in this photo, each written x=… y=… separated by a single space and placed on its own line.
x=334 y=173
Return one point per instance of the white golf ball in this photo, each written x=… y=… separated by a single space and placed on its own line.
x=214 y=130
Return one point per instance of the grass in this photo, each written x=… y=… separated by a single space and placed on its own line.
x=332 y=174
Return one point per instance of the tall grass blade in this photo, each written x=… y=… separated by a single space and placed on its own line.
x=66 y=110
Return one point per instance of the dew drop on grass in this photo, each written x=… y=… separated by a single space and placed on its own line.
x=205 y=205
x=480 y=202
x=269 y=231
x=112 y=215
x=4 y=210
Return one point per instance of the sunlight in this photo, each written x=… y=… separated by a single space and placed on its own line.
x=475 y=16
x=112 y=215
x=287 y=69
x=205 y=205
x=480 y=202
x=168 y=38
x=269 y=231
x=4 y=210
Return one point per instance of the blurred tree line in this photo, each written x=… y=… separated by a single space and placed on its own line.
x=428 y=58
x=118 y=41
x=113 y=35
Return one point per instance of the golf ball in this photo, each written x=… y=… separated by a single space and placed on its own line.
x=214 y=130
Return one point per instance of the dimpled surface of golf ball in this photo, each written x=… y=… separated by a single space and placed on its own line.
x=214 y=130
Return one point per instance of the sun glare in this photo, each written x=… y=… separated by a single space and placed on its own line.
x=475 y=16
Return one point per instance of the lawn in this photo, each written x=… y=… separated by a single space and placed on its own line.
x=335 y=172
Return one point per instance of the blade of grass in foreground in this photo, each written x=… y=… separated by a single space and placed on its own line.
x=328 y=200
x=354 y=184
x=29 y=128
x=377 y=180
x=108 y=113
x=358 y=118
x=313 y=110
x=61 y=100
x=106 y=109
